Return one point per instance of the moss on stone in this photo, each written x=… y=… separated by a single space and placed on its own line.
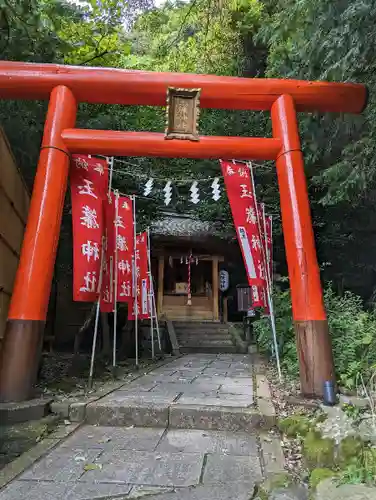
x=273 y=482
x=261 y=494
x=295 y=425
x=17 y=438
x=318 y=452
x=320 y=418
x=349 y=451
x=318 y=475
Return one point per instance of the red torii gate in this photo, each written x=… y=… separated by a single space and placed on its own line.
x=65 y=86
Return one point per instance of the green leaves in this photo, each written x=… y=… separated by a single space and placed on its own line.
x=352 y=328
x=199 y=37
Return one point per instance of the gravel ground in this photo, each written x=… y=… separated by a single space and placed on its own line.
x=287 y=401
x=62 y=377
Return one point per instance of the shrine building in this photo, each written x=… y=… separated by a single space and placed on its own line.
x=187 y=256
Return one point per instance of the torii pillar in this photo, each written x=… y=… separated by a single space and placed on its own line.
x=310 y=322
x=27 y=315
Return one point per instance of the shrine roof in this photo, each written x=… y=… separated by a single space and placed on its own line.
x=184 y=225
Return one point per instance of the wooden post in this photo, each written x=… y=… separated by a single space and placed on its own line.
x=160 y=284
x=28 y=309
x=215 y=288
x=311 y=325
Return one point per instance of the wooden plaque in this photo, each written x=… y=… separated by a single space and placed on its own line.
x=182 y=114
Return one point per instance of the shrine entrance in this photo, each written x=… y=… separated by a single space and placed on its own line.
x=175 y=286
x=66 y=86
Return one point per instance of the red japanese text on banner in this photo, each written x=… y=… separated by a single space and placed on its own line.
x=142 y=279
x=265 y=222
x=244 y=213
x=257 y=296
x=123 y=226
x=265 y=232
x=89 y=184
x=107 y=294
x=265 y=302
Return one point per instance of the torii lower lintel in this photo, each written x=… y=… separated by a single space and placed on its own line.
x=65 y=86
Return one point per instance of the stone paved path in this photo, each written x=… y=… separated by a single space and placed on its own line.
x=199 y=391
x=164 y=458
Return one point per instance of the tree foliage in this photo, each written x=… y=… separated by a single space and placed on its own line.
x=353 y=335
x=321 y=40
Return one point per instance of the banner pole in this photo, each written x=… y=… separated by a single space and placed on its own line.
x=135 y=280
x=111 y=163
x=156 y=315
x=268 y=291
x=95 y=336
x=274 y=331
x=115 y=284
x=266 y=249
x=149 y=295
x=271 y=256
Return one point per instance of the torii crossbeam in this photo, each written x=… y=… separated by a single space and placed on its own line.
x=64 y=87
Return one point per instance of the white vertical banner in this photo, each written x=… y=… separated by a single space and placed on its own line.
x=144 y=297
x=247 y=253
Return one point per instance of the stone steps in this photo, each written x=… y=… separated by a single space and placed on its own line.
x=201 y=325
x=197 y=391
x=216 y=339
x=205 y=337
x=177 y=416
x=207 y=343
x=208 y=349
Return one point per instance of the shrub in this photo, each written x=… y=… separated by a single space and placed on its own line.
x=285 y=331
x=349 y=450
x=352 y=328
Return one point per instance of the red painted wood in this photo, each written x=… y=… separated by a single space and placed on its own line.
x=20 y=80
x=306 y=291
x=34 y=275
x=109 y=142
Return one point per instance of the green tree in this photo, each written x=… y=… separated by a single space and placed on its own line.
x=321 y=40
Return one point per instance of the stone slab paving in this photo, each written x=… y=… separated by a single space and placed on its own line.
x=204 y=381
x=178 y=434
x=132 y=462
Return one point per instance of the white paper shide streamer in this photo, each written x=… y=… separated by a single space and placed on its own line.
x=168 y=193
x=195 y=195
x=148 y=187
x=216 y=189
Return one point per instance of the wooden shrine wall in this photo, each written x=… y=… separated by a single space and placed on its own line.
x=14 y=207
